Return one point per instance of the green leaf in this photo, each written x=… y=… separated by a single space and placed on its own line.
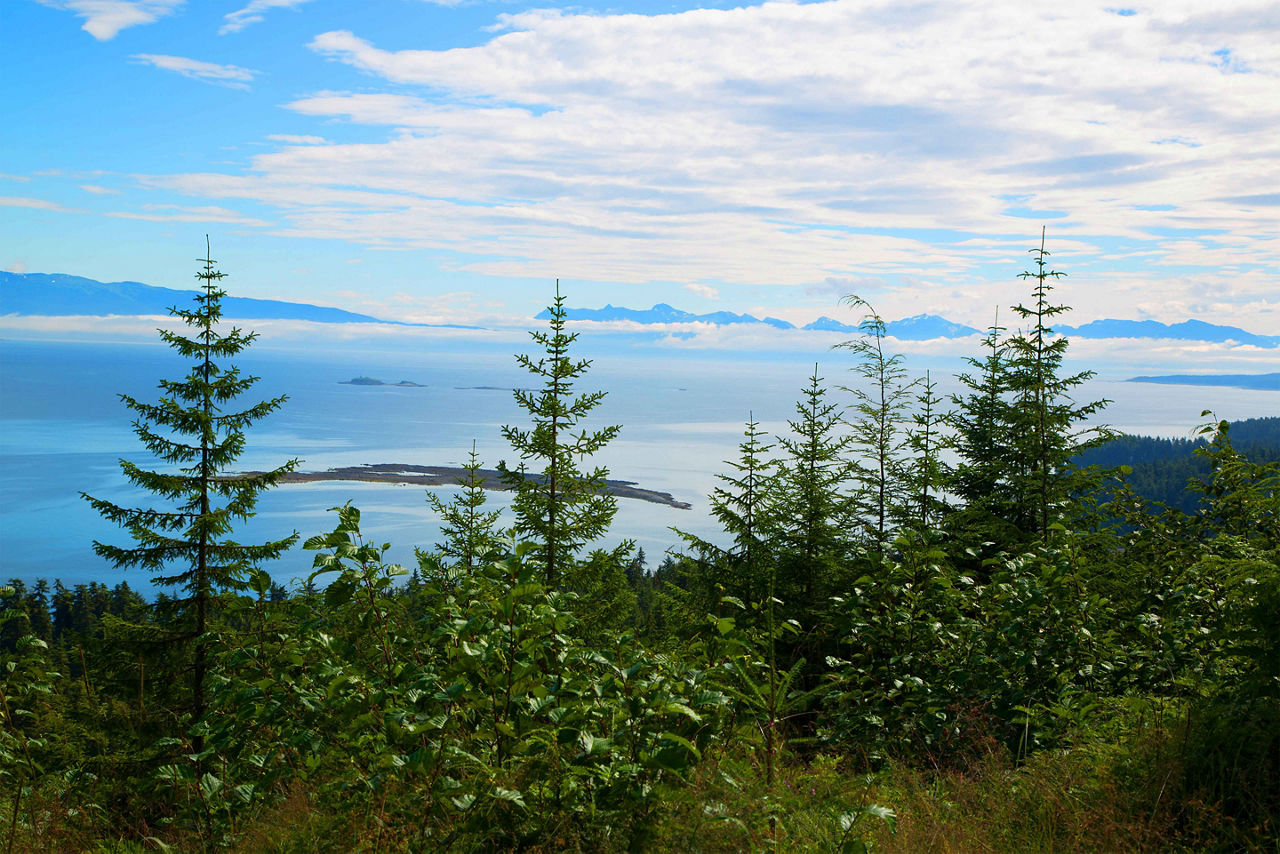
x=508 y=795
x=259 y=581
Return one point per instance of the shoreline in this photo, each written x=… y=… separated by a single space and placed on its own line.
x=491 y=479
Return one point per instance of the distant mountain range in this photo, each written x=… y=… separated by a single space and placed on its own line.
x=920 y=327
x=1187 y=330
x=923 y=327
x=663 y=313
x=59 y=294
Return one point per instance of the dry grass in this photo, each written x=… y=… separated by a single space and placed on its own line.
x=1131 y=797
x=1069 y=801
x=1057 y=802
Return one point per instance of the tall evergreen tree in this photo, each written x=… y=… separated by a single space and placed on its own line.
x=880 y=405
x=925 y=474
x=1048 y=417
x=562 y=507
x=1018 y=428
x=41 y=620
x=739 y=505
x=979 y=425
x=190 y=430
x=810 y=510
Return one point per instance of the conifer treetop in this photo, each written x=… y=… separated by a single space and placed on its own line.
x=198 y=440
x=562 y=507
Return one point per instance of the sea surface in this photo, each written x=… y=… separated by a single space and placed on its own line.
x=63 y=430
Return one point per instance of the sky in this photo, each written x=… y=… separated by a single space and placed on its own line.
x=447 y=161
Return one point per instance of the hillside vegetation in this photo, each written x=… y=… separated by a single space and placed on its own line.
x=885 y=651
x=1166 y=471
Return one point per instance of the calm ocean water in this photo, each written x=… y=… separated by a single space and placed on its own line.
x=63 y=430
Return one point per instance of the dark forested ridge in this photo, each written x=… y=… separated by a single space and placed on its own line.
x=1163 y=469
x=926 y=628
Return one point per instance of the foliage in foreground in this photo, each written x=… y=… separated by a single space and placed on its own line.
x=1049 y=664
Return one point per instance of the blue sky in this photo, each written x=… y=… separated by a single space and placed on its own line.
x=445 y=162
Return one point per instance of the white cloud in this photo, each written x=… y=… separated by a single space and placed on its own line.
x=252 y=13
x=103 y=19
x=210 y=72
x=35 y=204
x=794 y=144
x=17 y=266
x=97 y=190
x=178 y=213
x=4 y=176
x=296 y=139
x=704 y=291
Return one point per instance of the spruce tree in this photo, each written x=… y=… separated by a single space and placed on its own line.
x=468 y=529
x=740 y=508
x=925 y=474
x=880 y=408
x=1048 y=418
x=562 y=507
x=981 y=437
x=186 y=541
x=1018 y=428
x=810 y=510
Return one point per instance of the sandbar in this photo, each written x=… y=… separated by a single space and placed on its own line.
x=451 y=475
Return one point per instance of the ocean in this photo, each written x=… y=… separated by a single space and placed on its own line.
x=63 y=430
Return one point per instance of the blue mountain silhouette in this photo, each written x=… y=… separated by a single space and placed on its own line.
x=60 y=294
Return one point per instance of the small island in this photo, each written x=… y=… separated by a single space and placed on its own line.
x=375 y=381
x=450 y=476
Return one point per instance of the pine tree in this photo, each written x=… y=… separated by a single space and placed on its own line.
x=41 y=620
x=980 y=423
x=739 y=507
x=1018 y=428
x=468 y=529
x=1048 y=417
x=924 y=475
x=60 y=606
x=635 y=569
x=810 y=510
x=189 y=429
x=562 y=507
x=880 y=417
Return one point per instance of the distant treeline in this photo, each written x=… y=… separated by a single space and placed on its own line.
x=1162 y=468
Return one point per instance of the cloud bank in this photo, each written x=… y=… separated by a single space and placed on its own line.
x=918 y=146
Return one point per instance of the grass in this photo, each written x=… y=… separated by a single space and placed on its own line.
x=1094 y=798
x=1128 y=793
